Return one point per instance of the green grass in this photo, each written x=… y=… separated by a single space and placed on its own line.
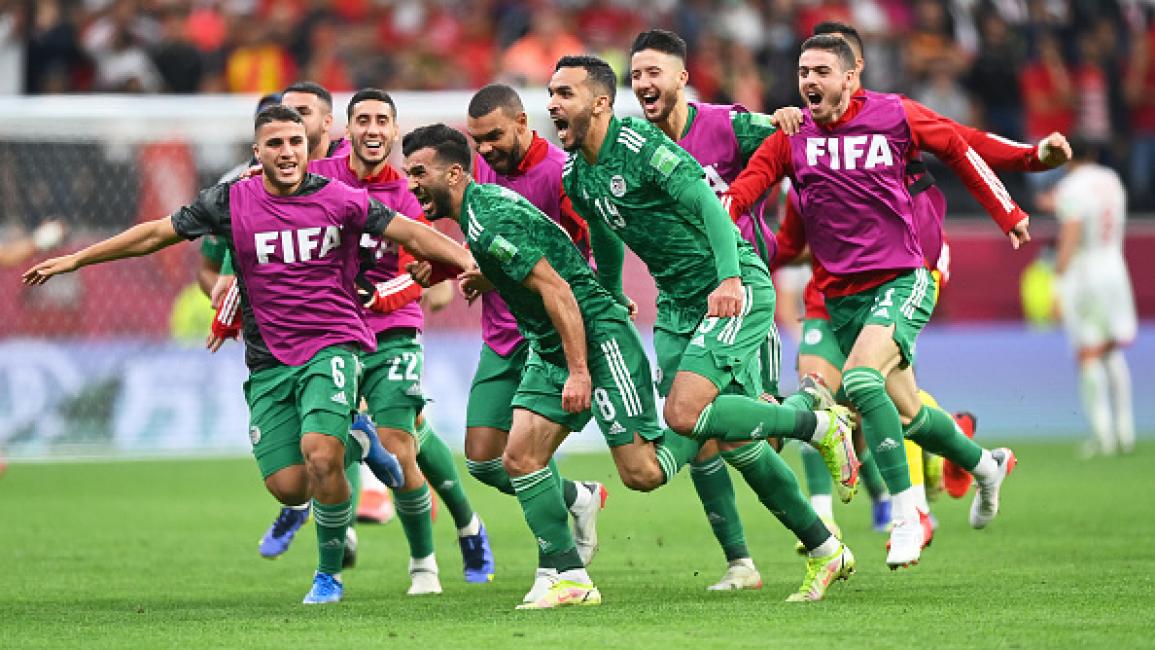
x=163 y=554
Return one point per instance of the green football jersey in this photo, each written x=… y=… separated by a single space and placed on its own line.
x=507 y=236
x=633 y=188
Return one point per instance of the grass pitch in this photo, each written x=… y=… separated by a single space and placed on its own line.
x=163 y=554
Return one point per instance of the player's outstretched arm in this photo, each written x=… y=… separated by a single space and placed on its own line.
x=566 y=316
x=428 y=244
x=941 y=139
x=770 y=162
x=141 y=239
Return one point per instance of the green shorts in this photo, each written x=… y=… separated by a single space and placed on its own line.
x=818 y=340
x=623 y=395
x=318 y=396
x=738 y=355
x=391 y=382
x=905 y=302
x=494 y=385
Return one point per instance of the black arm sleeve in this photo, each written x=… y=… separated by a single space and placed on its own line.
x=208 y=214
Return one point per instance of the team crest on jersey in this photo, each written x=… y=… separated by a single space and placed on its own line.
x=618 y=186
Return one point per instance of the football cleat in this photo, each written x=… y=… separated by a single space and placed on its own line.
x=814 y=385
x=381 y=461
x=955 y=479
x=985 y=506
x=905 y=544
x=837 y=449
x=278 y=537
x=928 y=527
x=349 y=559
x=476 y=557
x=741 y=574
x=543 y=580
x=566 y=593
x=376 y=504
x=326 y=589
x=423 y=578
x=821 y=572
x=585 y=521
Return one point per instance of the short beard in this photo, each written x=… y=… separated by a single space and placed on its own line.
x=579 y=128
x=442 y=199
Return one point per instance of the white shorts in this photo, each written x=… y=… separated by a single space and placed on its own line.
x=1097 y=303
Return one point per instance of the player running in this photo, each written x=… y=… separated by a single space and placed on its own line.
x=584 y=351
x=818 y=351
x=391 y=384
x=294 y=237
x=848 y=165
x=512 y=155
x=721 y=137
x=715 y=298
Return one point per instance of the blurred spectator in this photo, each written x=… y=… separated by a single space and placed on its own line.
x=994 y=78
x=1048 y=91
x=176 y=58
x=943 y=94
x=55 y=63
x=931 y=43
x=1091 y=85
x=261 y=64
x=328 y=64
x=12 y=23
x=1139 y=91
x=531 y=58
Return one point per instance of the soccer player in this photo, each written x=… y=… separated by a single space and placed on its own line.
x=818 y=351
x=715 y=299
x=1095 y=297
x=391 y=382
x=721 y=138
x=512 y=155
x=294 y=237
x=584 y=351
x=848 y=165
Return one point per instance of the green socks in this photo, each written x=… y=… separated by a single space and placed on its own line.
x=540 y=496
x=414 y=509
x=674 y=451
x=875 y=487
x=866 y=389
x=436 y=462
x=332 y=521
x=935 y=431
x=716 y=493
x=492 y=473
x=735 y=418
x=777 y=489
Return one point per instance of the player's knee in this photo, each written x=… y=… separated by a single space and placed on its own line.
x=288 y=486
x=643 y=479
x=519 y=464
x=324 y=462
x=680 y=417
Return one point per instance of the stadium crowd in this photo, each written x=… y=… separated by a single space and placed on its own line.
x=1021 y=68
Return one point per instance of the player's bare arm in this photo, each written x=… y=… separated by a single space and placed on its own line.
x=427 y=243
x=562 y=307
x=141 y=239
